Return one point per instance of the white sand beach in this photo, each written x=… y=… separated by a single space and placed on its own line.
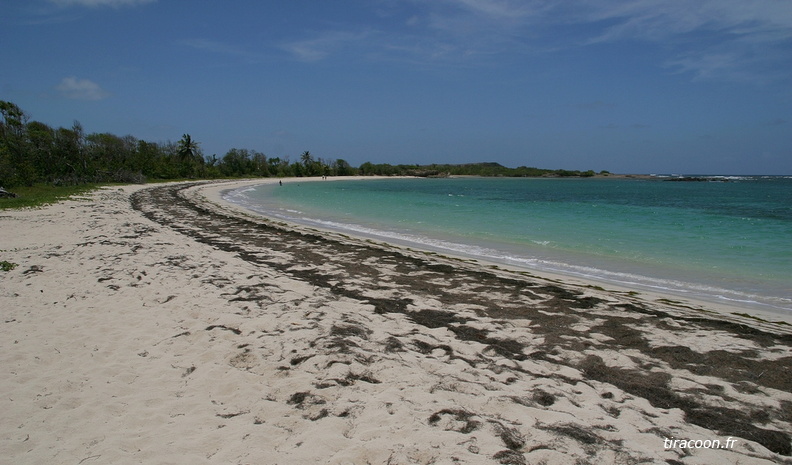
x=157 y=324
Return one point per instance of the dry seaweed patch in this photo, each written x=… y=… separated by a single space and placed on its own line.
x=509 y=457
x=511 y=437
x=580 y=434
x=465 y=422
x=457 y=420
x=653 y=386
x=543 y=398
x=302 y=400
x=557 y=325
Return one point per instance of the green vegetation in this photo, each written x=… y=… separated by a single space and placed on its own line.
x=43 y=194
x=7 y=266
x=468 y=169
x=32 y=153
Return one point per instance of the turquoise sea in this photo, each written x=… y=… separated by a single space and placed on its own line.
x=727 y=240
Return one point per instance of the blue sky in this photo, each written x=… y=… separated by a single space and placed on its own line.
x=643 y=86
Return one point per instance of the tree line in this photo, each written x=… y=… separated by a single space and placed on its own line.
x=33 y=152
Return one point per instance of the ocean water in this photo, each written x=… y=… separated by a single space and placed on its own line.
x=728 y=241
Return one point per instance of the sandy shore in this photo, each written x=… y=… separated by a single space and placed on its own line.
x=154 y=324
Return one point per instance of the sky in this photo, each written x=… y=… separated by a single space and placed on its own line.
x=627 y=86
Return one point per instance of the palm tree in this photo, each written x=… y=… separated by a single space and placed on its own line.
x=190 y=157
x=308 y=163
x=187 y=147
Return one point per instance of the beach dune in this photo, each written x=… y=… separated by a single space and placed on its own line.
x=157 y=324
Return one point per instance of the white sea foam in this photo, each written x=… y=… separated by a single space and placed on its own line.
x=669 y=286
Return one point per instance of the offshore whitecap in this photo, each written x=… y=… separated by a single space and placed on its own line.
x=726 y=241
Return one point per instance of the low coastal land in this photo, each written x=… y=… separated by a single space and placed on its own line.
x=157 y=324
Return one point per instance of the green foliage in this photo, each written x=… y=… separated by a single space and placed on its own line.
x=191 y=161
x=243 y=163
x=36 y=153
x=342 y=168
x=7 y=266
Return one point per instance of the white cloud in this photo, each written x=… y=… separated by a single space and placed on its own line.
x=81 y=89
x=497 y=8
x=661 y=19
x=707 y=65
x=324 y=44
x=95 y=3
x=223 y=49
x=709 y=39
x=480 y=20
x=735 y=40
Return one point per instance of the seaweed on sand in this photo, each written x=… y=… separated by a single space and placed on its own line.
x=353 y=269
x=653 y=386
x=462 y=421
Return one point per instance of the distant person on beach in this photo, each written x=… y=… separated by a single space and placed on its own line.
x=280 y=183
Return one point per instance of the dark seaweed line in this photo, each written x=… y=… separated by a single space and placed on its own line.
x=256 y=242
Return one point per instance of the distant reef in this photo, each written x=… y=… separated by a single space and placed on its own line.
x=695 y=179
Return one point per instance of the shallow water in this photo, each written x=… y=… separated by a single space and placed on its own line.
x=723 y=241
